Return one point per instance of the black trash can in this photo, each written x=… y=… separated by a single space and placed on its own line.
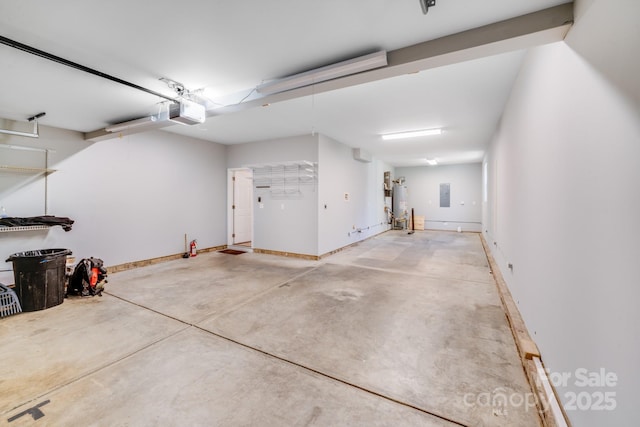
x=40 y=277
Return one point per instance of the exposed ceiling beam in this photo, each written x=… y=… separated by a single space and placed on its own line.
x=526 y=31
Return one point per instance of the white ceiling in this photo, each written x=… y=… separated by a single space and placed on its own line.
x=229 y=47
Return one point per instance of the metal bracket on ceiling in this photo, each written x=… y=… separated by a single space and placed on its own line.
x=426 y=4
x=176 y=86
x=34 y=134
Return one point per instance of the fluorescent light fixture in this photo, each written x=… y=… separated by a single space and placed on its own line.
x=411 y=134
x=130 y=124
x=432 y=162
x=329 y=72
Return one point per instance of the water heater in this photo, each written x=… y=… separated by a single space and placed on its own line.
x=399 y=204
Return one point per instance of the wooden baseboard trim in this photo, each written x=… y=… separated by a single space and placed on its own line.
x=145 y=262
x=520 y=333
x=286 y=254
x=527 y=348
x=312 y=257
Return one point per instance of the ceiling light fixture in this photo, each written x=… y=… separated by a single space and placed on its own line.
x=425 y=4
x=329 y=72
x=131 y=124
x=411 y=134
x=432 y=162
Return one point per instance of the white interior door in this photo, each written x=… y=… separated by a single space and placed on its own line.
x=242 y=206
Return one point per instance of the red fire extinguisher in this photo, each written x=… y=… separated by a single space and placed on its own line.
x=193 y=249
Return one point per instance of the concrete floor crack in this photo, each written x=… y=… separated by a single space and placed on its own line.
x=333 y=378
x=281 y=359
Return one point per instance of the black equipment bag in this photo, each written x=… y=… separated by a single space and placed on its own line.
x=88 y=278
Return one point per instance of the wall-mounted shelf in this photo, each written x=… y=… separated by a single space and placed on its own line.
x=21 y=169
x=284 y=179
x=24 y=228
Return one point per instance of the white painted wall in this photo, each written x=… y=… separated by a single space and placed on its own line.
x=303 y=147
x=285 y=224
x=564 y=203
x=339 y=173
x=304 y=226
x=131 y=198
x=134 y=198
x=423 y=188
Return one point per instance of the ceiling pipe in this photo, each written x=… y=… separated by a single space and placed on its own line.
x=34 y=134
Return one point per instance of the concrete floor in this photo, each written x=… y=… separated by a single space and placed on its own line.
x=400 y=330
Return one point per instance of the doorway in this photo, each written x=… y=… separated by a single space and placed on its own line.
x=240 y=208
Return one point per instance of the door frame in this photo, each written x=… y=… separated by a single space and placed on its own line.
x=230 y=213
